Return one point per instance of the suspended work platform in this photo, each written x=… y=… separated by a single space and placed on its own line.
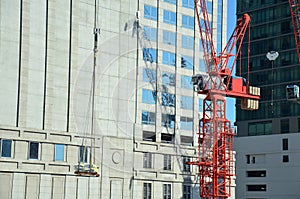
x=86 y=169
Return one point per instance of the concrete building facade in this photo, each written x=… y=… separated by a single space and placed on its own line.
x=145 y=113
x=267 y=149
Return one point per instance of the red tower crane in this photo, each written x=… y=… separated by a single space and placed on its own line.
x=295 y=13
x=215 y=137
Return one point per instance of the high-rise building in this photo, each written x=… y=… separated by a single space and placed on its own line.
x=268 y=139
x=121 y=98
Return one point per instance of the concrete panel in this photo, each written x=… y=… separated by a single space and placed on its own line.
x=45 y=184
x=33 y=166
x=18 y=187
x=116 y=188
x=59 y=168
x=58 y=187
x=71 y=187
x=82 y=188
x=32 y=187
x=4 y=165
x=34 y=135
x=6 y=188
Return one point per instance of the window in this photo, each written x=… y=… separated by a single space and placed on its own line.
x=186 y=167
x=167 y=138
x=186 y=140
x=200 y=105
x=148 y=96
x=202 y=67
x=33 y=150
x=169 y=17
x=285 y=126
x=187 y=62
x=83 y=154
x=59 y=152
x=169 y=38
x=209 y=7
x=186 y=123
x=149 y=136
x=248 y=159
x=256 y=173
x=169 y=58
x=260 y=128
x=188 y=3
x=147 y=191
x=285 y=144
x=186 y=82
x=285 y=158
x=147 y=160
x=6 y=148
x=150 y=12
x=187 y=42
x=187 y=194
x=168 y=120
x=148 y=118
x=167 y=191
x=149 y=75
x=168 y=99
x=168 y=79
x=150 y=33
x=167 y=162
x=261 y=187
x=186 y=102
x=171 y=1
x=149 y=54
x=188 y=22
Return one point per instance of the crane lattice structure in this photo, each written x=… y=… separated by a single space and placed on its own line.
x=215 y=137
x=295 y=14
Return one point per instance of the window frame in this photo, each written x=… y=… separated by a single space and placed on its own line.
x=167 y=159
x=147 y=160
x=147 y=190
x=169 y=37
x=187 y=191
x=33 y=146
x=59 y=155
x=169 y=17
x=153 y=14
x=83 y=150
x=167 y=191
x=4 y=153
x=149 y=118
x=188 y=22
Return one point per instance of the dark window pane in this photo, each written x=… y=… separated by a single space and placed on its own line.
x=33 y=150
x=6 y=148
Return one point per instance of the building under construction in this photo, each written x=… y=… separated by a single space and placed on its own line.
x=97 y=100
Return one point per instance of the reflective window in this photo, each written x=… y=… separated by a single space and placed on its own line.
x=59 y=152
x=187 y=42
x=150 y=12
x=188 y=3
x=149 y=54
x=188 y=22
x=167 y=162
x=187 y=192
x=148 y=118
x=285 y=125
x=168 y=120
x=169 y=37
x=186 y=123
x=147 y=191
x=209 y=7
x=149 y=75
x=168 y=79
x=150 y=33
x=167 y=192
x=168 y=99
x=33 y=150
x=169 y=17
x=186 y=102
x=187 y=62
x=83 y=154
x=6 y=146
x=148 y=96
x=200 y=105
x=186 y=82
x=259 y=187
x=147 y=160
x=171 y=1
x=169 y=58
x=260 y=128
x=186 y=167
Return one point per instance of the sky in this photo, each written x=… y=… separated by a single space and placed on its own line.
x=231 y=22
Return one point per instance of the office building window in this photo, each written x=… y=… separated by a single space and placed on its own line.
x=186 y=167
x=188 y=22
x=259 y=187
x=167 y=191
x=171 y=1
x=186 y=82
x=167 y=138
x=150 y=12
x=6 y=146
x=149 y=54
x=186 y=123
x=167 y=162
x=150 y=33
x=209 y=7
x=148 y=96
x=285 y=158
x=260 y=128
x=148 y=118
x=149 y=136
x=147 y=191
x=187 y=42
x=83 y=154
x=262 y=173
x=168 y=120
x=202 y=66
x=187 y=191
x=147 y=160
x=168 y=99
x=33 y=150
x=285 y=126
x=187 y=62
x=59 y=152
x=169 y=17
x=188 y=3
x=186 y=140
x=169 y=58
x=169 y=38
x=200 y=105
x=149 y=75
x=186 y=102
x=168 y=79
x=285 y=144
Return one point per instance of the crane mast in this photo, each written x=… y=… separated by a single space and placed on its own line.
x=215 y=137
x=295 y=14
